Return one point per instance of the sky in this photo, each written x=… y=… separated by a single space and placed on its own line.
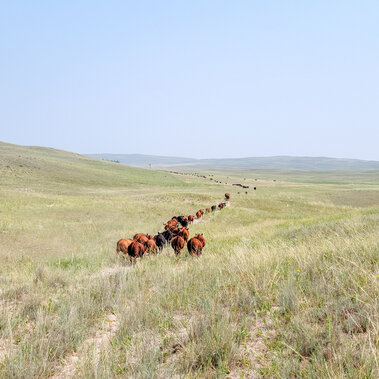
x=201 y=79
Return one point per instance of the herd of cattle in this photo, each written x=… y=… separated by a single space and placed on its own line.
x=176 y=233
x=215 y=180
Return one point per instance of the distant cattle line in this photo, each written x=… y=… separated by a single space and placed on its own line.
x=214 y=180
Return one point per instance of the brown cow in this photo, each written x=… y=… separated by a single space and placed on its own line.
x=174 y=230
x=151 y=246
x=195 y=246
x=136 y=250
x=227 y=196
x=141 y=238
x=122 y=245
x=208 y=210
x=170 y=224
x=177 y=244
x=198 y=214
x=201 y=238
x=136 y=236
x=190 y=219
x=184 y=233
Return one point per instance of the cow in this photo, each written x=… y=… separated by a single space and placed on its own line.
x=170 y=224
x=227 y=196
x=201 y=238
x=213 y=208
x=151 y=246
x=160 y=241
x=190 y=219
x=174 y=230
x=141 y=238
x=122 y=245
x=195 y=246
x=246 y=192
x=208 y=210
x=255 y=188
x=198 y=214
x=167 y=234
x=184 y=222
x=135 y=250
x=177 y=244
x=184 y=233
x=180 y=219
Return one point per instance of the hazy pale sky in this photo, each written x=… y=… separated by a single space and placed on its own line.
x=192 y=78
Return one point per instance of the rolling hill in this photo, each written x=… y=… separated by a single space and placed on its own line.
x=34 y=165
x=250 y=163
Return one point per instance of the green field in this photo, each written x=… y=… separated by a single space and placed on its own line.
x=287 y=285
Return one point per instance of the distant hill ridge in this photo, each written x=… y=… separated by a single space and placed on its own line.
x=250 y=163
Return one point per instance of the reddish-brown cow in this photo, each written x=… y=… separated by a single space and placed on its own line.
x=141 y=238
x=170 y=224
x=136 y=250
x=151 y=246
x=122 y=245
x=195 y=246
x=177 y=244
x=184 y=233
x=201 y=238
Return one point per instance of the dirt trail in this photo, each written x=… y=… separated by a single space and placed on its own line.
x=108 y=271
x=98 y=342
x=5 y=349
x=7 y=345
x=254 y=349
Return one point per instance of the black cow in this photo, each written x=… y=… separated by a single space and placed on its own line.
x=213 y=208
x=167 y=234
x=184 y=222
x=160 y=241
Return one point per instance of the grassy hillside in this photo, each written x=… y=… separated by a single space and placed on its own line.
x=142 y=160
x=36 y=166
x=238 y=164
x=287 y=285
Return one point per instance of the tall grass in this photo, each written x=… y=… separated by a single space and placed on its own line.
x=287 y=285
